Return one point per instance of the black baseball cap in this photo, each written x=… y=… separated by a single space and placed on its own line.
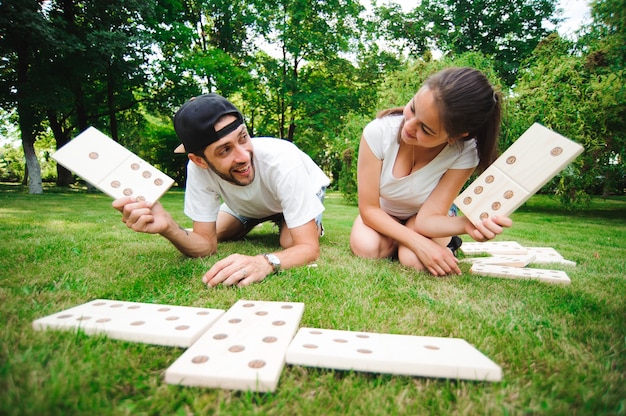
x=195 y=120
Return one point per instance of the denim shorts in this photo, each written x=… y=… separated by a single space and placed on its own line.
x=278 y=219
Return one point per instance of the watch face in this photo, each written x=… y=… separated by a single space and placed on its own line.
x=274 y=261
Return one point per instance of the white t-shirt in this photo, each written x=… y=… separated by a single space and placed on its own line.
x=403 y=197
x=286 y=181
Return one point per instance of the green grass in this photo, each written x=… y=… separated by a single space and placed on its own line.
x=562 y=348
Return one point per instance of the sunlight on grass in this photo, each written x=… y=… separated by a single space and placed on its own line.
x=561 y=347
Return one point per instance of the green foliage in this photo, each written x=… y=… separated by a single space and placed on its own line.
x=607 y=34
x=11 y=163
x=328 y=93
x=505 y=31
x=400 y=86
x=303 y=34
x=348 y=154
x=566 y=95
x=13 y=168
x=404 y=31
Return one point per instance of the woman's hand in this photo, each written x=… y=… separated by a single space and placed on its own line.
x=489 y=228
x=427 y=254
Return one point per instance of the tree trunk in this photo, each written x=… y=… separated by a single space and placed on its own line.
x=111 y=105
x=35 y=185
x=64 y=176
x=28 y=123
x=292 y=131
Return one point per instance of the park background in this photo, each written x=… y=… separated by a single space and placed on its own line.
x=310 y=72
x=314 y=73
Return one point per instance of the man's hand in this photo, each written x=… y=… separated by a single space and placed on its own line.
x=143 y=217
x=239 y=270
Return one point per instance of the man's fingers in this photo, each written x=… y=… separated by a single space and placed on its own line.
x=120 y=203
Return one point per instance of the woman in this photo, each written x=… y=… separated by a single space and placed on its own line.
x=413 y=162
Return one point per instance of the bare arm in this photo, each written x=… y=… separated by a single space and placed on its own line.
x=433 y=221
x=243 y=270
x=368 y=173
x=152 y=218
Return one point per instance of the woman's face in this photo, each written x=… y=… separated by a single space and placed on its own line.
x=422 y=125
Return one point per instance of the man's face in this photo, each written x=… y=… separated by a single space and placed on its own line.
x=231 y=156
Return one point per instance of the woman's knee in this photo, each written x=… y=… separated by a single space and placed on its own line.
x=371 y=246
x=368 y=243
x=407 y=258
x=363 y=248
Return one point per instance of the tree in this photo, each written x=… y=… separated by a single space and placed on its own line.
x=72 y=63
x=22 y=32
x=505 y=31
x=562 y=91
x=402 y=31
x=219 y=44
x=96 y=66
x=607 y=34
x=303 y=31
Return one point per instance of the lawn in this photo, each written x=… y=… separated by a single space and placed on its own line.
x=562 y=348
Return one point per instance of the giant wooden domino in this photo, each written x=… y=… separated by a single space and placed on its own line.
x=512 y=260
x=535 y=158
x=544 y=275
x=174 y=326
x=511 y=250
x=111 y=168
x=544 y=255
x=496 y=248
x=243 y=350
x=246 y=348
x=392 y=354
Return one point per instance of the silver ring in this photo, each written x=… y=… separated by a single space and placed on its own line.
x=244 y=271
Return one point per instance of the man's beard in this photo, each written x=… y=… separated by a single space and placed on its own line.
x=228 y=177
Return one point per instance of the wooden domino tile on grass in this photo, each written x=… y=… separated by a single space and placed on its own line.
x=409 y=355
x=243 y=350
x=536 y=157
x=512 y=260
x=544 y=275
x=548 y=255
x=168 y=325
x=496 y=248
x=112 y=168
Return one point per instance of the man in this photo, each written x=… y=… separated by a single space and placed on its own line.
x=260 y=179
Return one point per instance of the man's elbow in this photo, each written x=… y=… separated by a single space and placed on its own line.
x=199 y=252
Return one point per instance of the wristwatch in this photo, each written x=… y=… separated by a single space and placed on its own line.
x=273 y=261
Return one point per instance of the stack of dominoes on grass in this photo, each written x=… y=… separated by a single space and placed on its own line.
x=509 y=259
x=529 y=163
